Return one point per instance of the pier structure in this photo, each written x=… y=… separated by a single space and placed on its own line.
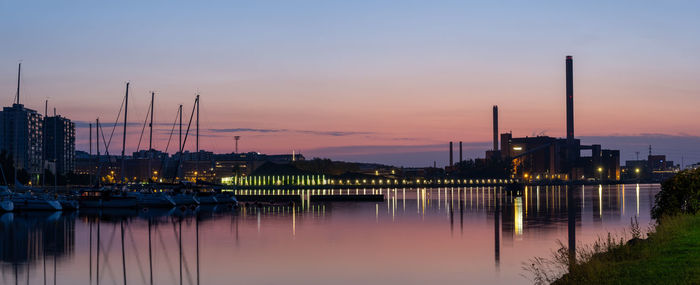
x=312 y=181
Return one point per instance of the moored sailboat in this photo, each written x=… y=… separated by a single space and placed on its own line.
x=106 y=198
x=153 y=199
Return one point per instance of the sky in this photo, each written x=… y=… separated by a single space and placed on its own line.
x=374 y=81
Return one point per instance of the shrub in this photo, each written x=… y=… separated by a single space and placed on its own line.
x=680 y=194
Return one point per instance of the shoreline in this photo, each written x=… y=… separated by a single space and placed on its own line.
x=669 y=255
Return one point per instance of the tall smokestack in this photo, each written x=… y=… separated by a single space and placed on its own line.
x=451 y=159
x=569 y=99
x=495 y=127
x=572 y=154
x=19 y=75
x=461 y=158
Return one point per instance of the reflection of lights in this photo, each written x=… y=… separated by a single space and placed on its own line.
x=376 y=213
x=518 y=209
x=623 y=200
x=637 y=192
x=600 y=200
x=294 y=222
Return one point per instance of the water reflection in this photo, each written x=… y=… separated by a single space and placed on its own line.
x=29 y=238
x=340 y=243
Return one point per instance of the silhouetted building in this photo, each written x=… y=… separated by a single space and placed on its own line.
x=21 y=136
x=152 y=154
x=546 y=157
x=59 y=143
x=654 y=168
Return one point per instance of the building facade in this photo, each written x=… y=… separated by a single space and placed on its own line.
x=59 y=143
x=21 y=132
x=547 y=158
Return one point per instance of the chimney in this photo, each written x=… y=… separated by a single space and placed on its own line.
x=19 y=75
x=569 y=99
x=461 y=158
x=495 y=127
x=572 y=150
x=451 y=159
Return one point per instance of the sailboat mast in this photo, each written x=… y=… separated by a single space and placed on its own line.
x=150 y=138
x=177 y=174
x=180 y=112
x=90 y=166
x=43 y=149
x=126 y=109
x=97 y=148
x=55 y=152
x=16 y=152
x=197 y=143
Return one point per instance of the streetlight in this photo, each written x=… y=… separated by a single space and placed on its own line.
x=600 y=170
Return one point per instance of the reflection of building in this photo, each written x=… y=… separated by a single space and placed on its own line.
x=26 y=238
x=59 y=143
x=21 y=137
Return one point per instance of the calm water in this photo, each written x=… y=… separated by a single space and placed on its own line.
x=438 y=236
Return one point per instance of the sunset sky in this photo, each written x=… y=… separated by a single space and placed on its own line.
x=371 y=81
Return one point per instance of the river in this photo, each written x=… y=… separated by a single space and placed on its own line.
x=460 y=235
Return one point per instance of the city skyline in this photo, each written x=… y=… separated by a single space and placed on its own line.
x=359 y=90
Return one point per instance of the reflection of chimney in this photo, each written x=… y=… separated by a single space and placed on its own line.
x=460 y=152
x=495 y=127
x=451 y=159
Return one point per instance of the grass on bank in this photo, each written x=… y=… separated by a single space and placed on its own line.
x=669 y=255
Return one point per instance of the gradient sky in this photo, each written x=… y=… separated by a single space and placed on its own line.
x=380 y=81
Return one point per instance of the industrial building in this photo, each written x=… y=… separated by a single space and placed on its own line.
x=549 y=158
x=654 y=169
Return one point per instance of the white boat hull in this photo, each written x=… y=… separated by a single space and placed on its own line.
x=226 y=199
x=184 y=199
x=110 y=203
x=207 y=200
x=6 y=206
x=155 y=201
x=69 y=204
x=36 y=204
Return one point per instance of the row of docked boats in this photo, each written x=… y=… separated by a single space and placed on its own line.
x=109 y=197
x=10 y=201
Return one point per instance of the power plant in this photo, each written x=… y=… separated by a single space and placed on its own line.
x=549 y=158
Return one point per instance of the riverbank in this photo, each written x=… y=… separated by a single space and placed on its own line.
x=670 y=255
